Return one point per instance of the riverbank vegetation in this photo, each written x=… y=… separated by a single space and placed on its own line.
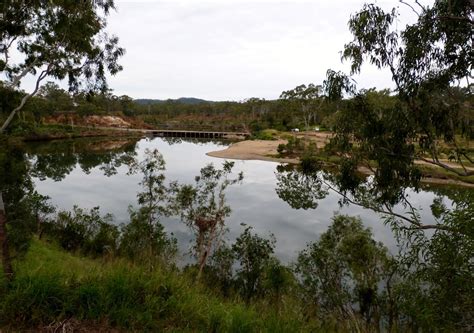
x=79 y=270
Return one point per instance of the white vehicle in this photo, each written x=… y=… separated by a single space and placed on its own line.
x=295 y=129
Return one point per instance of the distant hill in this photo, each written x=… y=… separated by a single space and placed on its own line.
x=182 y=100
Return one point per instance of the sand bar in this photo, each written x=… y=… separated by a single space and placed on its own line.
x=261 y=150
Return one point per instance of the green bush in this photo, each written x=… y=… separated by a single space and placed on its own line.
x=88 y=232
x=266 y=135
x=144 y=242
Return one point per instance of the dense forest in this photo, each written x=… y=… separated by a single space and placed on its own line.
x=80 y=271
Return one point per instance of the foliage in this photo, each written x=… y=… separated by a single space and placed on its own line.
x=220 y=272
x=58 y=40
x=56 y=290
x=425 y=59
x=308 y=97
x=300 y=190
x=41 y=209
x=253 y=253
x=294 y=146
x=88 y=232
x=155 y=193
x=15 y=185
x=146 y=242
x=203 y=207
x=266 y=135
x=442 y=264
x=340 y=274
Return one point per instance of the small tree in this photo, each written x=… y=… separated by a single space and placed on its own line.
x=86 y=231
x=144 y=237
x=203 y=208
x=146 y=242
x=41 y=209
x=342 y=270
x=254 y=254
x=221 y=269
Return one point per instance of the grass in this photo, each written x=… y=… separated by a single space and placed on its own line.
x=52 y=286
x=267 y=134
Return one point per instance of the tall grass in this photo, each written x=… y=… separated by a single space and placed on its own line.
x=53 y=286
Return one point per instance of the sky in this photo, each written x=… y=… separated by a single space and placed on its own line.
x=233 y=49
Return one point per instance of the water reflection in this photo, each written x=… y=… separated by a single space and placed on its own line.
x=71 y=172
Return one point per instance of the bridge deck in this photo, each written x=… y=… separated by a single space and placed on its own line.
x=177 y=133
x=197 y=134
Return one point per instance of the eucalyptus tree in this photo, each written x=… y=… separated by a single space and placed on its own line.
x=308 y=98
x=203 y=208
x=427 y=119
x=57 y=40
x=144 y=237
x=432 y=120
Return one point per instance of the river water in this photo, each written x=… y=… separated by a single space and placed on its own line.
x=81 y=181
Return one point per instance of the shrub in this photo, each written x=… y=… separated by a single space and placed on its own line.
x=144 y=242
x=340 y=274
x=253 y=254
x=88 y=232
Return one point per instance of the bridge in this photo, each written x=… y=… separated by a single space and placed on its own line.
x=210 y=134
x=198 y=134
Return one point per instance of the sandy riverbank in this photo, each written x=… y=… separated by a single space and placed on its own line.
x=253 y=150
x=263 y=150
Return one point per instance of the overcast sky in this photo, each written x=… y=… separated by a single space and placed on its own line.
x=235 y=49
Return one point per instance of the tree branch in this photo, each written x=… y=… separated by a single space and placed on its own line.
x=16 y=79
x=412 y=8
x=456 y=18
x=468 y=158
x=6 y=50
x=415 y=224
x=26 y=97
x=447 y=167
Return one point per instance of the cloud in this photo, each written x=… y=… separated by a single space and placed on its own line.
x=231 y=50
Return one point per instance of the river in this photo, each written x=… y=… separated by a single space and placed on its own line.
x=81 y=181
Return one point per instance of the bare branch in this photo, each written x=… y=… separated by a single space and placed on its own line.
x=467 y=157
x=412 y=8
x=420 y=5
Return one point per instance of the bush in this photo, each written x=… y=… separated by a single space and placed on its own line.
x=142 y=241
x=341 y=273
x=294 y=146
x=88 y=232
x=266 y=135
x=254 y=254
